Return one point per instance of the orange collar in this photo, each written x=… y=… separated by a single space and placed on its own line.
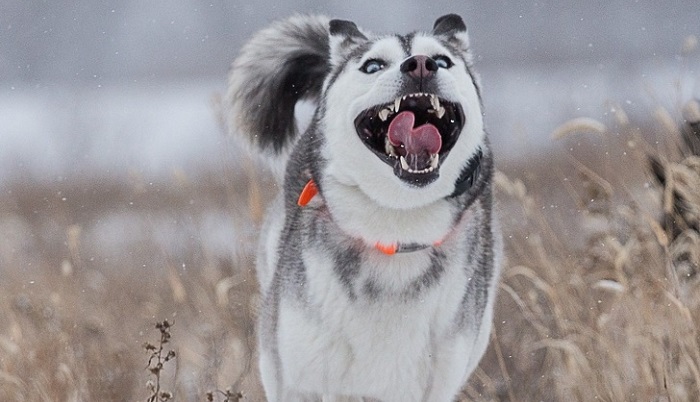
x=308 y=193
x=311 y=190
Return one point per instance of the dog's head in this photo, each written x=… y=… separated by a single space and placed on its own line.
x=402 y=114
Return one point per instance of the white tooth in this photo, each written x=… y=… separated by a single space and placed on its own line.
x=404 y=163
x=388 y=148
x=434 y=161
x=435 y=102
x=383 y=114
x=397 y=104
x=439 y=112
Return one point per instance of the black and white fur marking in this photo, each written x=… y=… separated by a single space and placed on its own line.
x=398 y=153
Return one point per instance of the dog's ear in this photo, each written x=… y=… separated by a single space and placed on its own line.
x=452 y=28
x=344 y=36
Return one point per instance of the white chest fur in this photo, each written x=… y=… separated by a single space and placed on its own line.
x=373 y=347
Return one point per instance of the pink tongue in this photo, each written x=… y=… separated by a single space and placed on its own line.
x=425 y=138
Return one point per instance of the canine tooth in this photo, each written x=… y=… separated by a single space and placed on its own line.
x=434 y=102
x=388 y=148
x=404 y=163
x=383 y=114
x=439 y=112
x=397 y=104
x=434 y=160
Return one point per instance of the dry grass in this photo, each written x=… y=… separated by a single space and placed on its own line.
x=616 y=318
x=599 y=297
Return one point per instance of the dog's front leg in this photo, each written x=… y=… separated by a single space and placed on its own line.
x=450 y=370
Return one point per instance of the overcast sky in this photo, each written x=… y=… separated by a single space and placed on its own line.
x=112 y=40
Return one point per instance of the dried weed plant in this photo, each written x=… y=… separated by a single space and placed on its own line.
x=157 y=359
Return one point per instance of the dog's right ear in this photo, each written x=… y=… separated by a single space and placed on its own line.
x=344 y=37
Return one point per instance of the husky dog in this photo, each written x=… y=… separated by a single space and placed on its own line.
x=378 y=260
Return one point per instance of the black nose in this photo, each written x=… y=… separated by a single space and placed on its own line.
x=419 y=67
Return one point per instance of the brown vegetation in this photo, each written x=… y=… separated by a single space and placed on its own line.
x=598 y=301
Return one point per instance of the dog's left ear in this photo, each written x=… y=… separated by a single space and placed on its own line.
x=344 y=37
x=452 y=27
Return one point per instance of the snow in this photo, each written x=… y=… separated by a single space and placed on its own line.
x=58 y=131
x=94 y=90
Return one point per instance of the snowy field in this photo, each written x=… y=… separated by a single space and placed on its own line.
x=63 y=137
x=114 y=88
x=56 y=132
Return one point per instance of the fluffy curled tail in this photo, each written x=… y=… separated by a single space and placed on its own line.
x=280 y=65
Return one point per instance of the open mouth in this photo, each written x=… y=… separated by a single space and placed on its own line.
x=413 y=134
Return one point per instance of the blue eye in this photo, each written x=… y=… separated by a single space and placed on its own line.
x=443 y=61
x=371 y=66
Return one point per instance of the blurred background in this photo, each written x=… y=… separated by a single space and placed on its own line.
x=103 y=88
x=123 y=202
